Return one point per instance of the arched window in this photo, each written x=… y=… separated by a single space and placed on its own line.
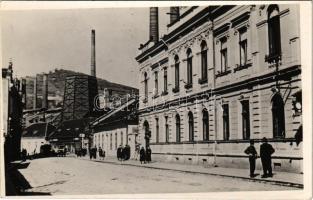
x=205 y=124
x=204 y=62
x=167 y=133
x=226 y=121
x=191 y=126
x=278 y=113
x=157 y=130
x=189 y=67
x=177 y=128
x=274 y=41
x=176 y=73
x=122 y=138
x=146 y=85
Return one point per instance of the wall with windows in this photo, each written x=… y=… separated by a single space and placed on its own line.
x=228 y=81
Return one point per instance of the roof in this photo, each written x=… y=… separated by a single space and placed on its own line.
x=125 y=114
x=124 y=111
x=70 y=129
x=38 y=130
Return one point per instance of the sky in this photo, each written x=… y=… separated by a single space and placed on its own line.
x=38 y=41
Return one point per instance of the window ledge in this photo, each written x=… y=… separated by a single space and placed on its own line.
x=202 y=81
x=175 y=89
x=220 y=74
x=155 y=96
x=271 y=58
x=164 y=93
x=241 y=67
x=188 y=86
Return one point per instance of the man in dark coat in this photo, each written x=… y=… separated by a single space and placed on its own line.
x=266 y=151
x=148 y=154
x=142 y=155
x=119 y=152
x=252 y=157
x=127 y=152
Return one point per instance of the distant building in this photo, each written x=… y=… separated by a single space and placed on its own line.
x=34 y=136
x=222 y=75
x=117 y=127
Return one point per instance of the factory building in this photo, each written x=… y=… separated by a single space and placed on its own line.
x=220 y=76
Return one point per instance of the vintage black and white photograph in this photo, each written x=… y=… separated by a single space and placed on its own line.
x=153 y=99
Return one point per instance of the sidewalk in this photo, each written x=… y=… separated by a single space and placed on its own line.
x=294 y=180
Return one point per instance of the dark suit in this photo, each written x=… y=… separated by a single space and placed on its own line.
x=252 y=157
x=266 y=151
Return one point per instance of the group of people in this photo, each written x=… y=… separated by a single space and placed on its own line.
x=123 y=153
x=93 y=153
x=266 y=151
x=145 y=155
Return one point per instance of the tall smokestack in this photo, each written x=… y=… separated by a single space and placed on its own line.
x=35 y=93
x=174 y=14
x=45 y=92
x=93 y=52
x=154 y=24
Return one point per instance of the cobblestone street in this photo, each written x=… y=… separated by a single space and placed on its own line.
x=63 y=176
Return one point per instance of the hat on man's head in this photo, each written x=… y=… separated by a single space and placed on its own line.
x=251 y=141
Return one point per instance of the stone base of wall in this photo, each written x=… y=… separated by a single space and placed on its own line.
x=286 y=157
x=285 y=165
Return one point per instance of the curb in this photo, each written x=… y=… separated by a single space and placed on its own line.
x=273 y=182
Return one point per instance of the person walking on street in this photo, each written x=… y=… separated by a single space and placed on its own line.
x=100 y=153
x=148 y=154
x=266 y=151
x=90 y=153
x=94 y=152
x=119 y=152
x=142 y=155
x=250 y=150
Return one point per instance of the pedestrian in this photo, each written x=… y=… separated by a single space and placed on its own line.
x=123 y=153
x=137 y=151
x=142 y=155
x=266 y=151
x=95 y=152
x=148 y=154
x=100 y=153
x=252 y=157
x=119 y=152
x=127 y=152
x=90 y=153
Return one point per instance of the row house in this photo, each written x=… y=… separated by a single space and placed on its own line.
x=220 y=76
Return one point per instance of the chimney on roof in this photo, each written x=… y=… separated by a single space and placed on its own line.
x=93 y=52
x=174 y=14
x=45 y=92
x=154 y=24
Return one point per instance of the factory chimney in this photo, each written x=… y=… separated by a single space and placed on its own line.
x=35 y=93
x=45 y=92
x=154 y=24
x=93 y=52
x=174 y=14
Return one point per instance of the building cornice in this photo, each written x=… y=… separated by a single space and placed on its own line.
x=208 y=13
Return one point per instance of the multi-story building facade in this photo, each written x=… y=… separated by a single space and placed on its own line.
x=221 y=76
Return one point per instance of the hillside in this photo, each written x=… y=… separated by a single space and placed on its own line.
x=56 y=82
